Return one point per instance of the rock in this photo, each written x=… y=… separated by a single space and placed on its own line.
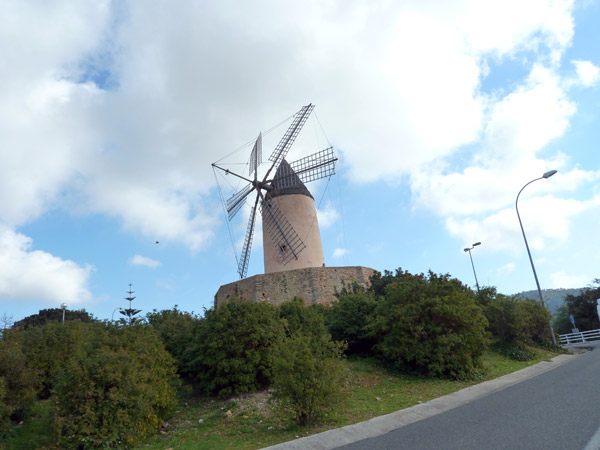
x=378 y=399
x=229 y=413
x=200 y=420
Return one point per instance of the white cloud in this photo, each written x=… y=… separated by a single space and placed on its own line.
x=34 y=275
x=139 y=260
x=403 y=92
x=327 y=216
x=587 y=72
x=565 y=280
x=339 y=252
x=506 y=269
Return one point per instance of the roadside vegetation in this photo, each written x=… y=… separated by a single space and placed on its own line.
x=251 y=374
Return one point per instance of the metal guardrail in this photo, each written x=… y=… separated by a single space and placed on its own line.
x=583 y=336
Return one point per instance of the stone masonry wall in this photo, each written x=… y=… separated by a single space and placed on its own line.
x=313 y=285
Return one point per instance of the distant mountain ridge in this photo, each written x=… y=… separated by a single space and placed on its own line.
x=552 y=297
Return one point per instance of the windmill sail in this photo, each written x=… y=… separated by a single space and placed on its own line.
x=290 y=136
x=256 y=156
x=235 y=202
x=245 y=256
x=288 y=179
x=315 y=167
x=281 y=232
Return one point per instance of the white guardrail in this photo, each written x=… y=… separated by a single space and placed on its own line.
x=583 y=336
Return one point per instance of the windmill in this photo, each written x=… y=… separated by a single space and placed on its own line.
x=290 y=230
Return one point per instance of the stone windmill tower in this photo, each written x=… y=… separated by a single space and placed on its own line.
x=291 y=237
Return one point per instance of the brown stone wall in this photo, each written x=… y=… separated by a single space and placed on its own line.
x=313 y=285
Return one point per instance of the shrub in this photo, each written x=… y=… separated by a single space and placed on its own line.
x=505 y=321
x=18 y=381
x=53 y=315
x=234 y=347
x=348 y=318
x=176 y=329
x=512 y=320
x=536 y=321
x=432 y=324
x=308 y=320
x=48 y=346
x=116 y=388
x=307 y=376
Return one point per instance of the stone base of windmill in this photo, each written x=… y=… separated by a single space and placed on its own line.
x=312 y=284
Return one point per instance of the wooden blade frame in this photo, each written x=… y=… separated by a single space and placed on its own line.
x=245 y=255
x=237 y=200
x=289 y=137
x=281 y=232
x=256 y=156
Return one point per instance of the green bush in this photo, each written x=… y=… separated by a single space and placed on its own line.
x=53 y=315
x=18 y=381
x=348 y=318
x=234 y=347
x=308 y=376
x=512 y=320
x=48 y=346
x=431 y=324
x=505 y=321
x=116 y=388
x=308 y=320
x=176 y=329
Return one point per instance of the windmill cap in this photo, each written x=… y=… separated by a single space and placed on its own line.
x=287 y=182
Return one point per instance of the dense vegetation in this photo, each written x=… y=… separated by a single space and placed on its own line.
x=110 y=386
x=583 y=309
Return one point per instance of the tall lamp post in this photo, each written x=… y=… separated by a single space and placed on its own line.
x=468 y=249
x=546 y=175
x=64 y=308
x=112 y=318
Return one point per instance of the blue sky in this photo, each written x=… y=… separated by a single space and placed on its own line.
x=111 y=113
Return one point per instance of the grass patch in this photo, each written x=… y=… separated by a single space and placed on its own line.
x=246 y=423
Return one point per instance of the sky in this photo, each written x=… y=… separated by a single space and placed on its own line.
x=111 y=113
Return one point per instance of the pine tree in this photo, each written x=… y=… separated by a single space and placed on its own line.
x=130 y=312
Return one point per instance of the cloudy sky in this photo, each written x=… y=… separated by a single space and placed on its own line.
x=111 y=113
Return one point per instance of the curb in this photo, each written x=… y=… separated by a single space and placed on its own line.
x=384 y=424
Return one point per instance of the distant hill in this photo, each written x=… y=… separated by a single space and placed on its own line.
x=553 y=297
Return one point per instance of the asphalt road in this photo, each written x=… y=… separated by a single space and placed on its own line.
x=559 y=409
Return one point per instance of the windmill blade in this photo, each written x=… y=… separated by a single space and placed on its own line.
x=256 y=156
x=237 y=200
x=289 y=137
x=281 y=232
x=245 y=255
x=315 y=167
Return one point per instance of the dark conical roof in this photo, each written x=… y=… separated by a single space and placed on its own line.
x=287 y=182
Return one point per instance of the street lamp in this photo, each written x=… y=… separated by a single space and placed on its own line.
x=112 y=318
x=468 y=249
x=64 y=308
x=546 y=175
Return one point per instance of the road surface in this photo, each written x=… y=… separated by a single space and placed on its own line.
x=559 y=409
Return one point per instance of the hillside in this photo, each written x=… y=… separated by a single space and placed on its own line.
x=553 y=297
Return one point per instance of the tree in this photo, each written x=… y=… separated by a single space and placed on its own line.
x=583 y=307
x=53 y=315
x=299 y=318
x=176 y=329
x=431 y=324
x=561 y=322
x=115 y=389
x=234 y=347
x=130 y=312
x=308 y=376
x=348 y=318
